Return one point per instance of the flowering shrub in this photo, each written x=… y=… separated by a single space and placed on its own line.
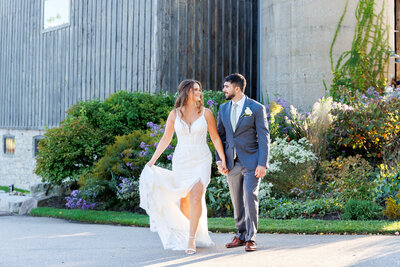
x=366 y=127
x=80 y=200
x=213 y=100
x=350 y=178
x=278 y=115
x=290 y=162
x=392 y=209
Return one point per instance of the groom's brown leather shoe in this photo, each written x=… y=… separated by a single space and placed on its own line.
x=250 y=246
x=236 y=242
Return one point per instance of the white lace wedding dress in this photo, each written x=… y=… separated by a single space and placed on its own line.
x=162 y=189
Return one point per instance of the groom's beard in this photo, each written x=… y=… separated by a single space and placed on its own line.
x=229 y=96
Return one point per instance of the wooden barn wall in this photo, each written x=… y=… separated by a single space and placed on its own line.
x=111 y=45
x=207 y=40
x=107 y=47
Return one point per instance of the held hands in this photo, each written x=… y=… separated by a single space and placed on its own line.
x=260 y=171
x=222 y=167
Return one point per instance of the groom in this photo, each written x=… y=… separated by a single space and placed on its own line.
x=243 y=128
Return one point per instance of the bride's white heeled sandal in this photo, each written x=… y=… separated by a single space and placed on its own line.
x=191 y=251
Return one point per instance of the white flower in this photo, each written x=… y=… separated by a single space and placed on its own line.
x=247 y=112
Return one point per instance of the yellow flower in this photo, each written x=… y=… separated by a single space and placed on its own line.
x=275 y=108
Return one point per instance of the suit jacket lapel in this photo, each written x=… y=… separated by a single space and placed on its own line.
x=228 y=114
x=246 y=104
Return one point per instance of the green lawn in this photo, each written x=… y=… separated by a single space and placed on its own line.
x=307 y=226
x=5 y=189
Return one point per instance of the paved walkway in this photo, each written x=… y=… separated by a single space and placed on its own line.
x=30 y=241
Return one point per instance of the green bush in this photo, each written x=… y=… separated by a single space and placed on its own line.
x=350 y=178
x=123 y=112
x=356 y=209
x=70 y=150
x=291 y=208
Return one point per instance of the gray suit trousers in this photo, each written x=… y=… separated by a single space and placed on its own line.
x=243 y=187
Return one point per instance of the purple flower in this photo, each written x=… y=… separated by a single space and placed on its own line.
x=122 y=155
x=142 y=145
x=170 y=147
x=150 y=124
x=143 y=153
x=211 y=103
x=75 y=193
x=169 y=157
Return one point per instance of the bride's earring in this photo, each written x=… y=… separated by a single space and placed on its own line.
x=191 y=251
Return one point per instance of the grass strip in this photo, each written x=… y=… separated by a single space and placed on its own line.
x=223 y=225
x=6 y=189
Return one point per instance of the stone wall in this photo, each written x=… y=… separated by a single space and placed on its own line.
x=296 y=36
x=18 y=168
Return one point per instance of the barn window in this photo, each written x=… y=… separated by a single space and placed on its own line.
x=55 y=14
x=9 y=144
x=36 y=140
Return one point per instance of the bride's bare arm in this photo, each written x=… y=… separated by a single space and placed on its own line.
x=212 y=129
x=165 y=139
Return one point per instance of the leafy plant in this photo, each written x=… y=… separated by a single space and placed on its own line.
x=367 y=127
x=350 y=178
x=218 y=198
x=290 y=164
x=356 y=209
x=364 y=65
x=69 y=150
x=287 y=208
x=123 y=112
x=387 y=183
x=392 y=209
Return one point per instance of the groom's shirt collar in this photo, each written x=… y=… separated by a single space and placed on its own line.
x=240 y=106
x=240 y=103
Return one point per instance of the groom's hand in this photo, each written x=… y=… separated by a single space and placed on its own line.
x=260 y=171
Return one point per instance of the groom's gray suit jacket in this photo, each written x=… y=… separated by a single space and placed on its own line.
x=250 y=138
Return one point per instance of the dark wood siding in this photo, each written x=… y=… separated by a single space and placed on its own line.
x=111 y=45
x=207 y=40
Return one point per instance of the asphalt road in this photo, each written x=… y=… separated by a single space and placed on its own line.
x=30 y=241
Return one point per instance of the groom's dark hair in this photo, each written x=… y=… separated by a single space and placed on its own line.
x=236 y=79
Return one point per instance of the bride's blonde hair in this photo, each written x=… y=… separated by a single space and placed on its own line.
x=183 y=93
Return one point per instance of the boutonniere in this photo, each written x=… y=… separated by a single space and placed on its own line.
x=247 y=112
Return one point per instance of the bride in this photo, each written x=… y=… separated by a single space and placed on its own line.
x=175 y=200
